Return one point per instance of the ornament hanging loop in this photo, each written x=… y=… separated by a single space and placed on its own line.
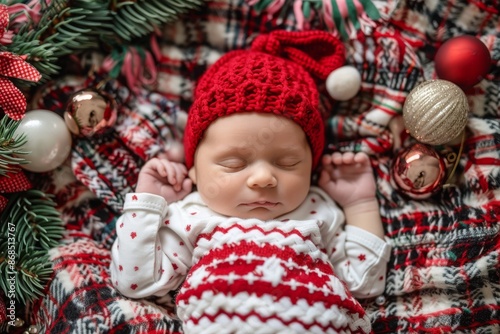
x=456 y=161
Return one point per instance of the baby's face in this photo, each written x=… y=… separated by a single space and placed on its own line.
x=252 y=165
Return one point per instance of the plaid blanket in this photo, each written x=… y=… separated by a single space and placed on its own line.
x=444 y=271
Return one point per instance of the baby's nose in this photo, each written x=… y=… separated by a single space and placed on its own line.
x=262 y=176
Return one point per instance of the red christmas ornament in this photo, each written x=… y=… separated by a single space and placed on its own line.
x=463 y=60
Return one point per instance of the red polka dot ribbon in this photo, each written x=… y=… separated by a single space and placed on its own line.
x=12 y=100
x=10 y=183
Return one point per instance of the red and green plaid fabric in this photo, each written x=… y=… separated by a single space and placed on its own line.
x=444 y=271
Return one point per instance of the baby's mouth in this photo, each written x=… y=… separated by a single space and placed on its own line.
x=261 y=204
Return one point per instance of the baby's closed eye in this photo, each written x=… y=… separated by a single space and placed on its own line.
x=232 y=163
x=288 y=162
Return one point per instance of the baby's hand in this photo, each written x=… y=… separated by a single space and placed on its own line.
x=347 y=178
x=164 y=178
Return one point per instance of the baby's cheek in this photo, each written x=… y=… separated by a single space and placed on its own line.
x=215 y=186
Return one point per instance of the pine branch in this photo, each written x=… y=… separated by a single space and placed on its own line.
x=66 y=27
x=138 y=19
x=70 y=26
x=32 y=271
x=38 y=223
x=75 y=25
x=31 y=225
x=10 y=146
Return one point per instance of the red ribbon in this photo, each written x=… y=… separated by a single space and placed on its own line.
x=12 y=100
x=10 y=183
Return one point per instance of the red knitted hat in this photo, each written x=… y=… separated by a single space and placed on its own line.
x=274 y=76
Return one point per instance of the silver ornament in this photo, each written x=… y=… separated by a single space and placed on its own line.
x=435 y=112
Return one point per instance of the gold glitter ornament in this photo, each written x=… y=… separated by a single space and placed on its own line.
x=435 y=112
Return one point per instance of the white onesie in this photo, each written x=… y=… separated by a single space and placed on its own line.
x=299 y=273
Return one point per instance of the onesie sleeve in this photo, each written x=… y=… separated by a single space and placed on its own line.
x=359 y=258
x=139 y=267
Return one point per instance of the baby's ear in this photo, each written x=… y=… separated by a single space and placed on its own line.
x=192 y=174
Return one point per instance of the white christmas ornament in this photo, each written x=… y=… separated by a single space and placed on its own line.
x=343 y=83
x=47 y=139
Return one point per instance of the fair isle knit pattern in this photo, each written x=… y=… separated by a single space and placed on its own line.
x=242 y=289
x=293 y=274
